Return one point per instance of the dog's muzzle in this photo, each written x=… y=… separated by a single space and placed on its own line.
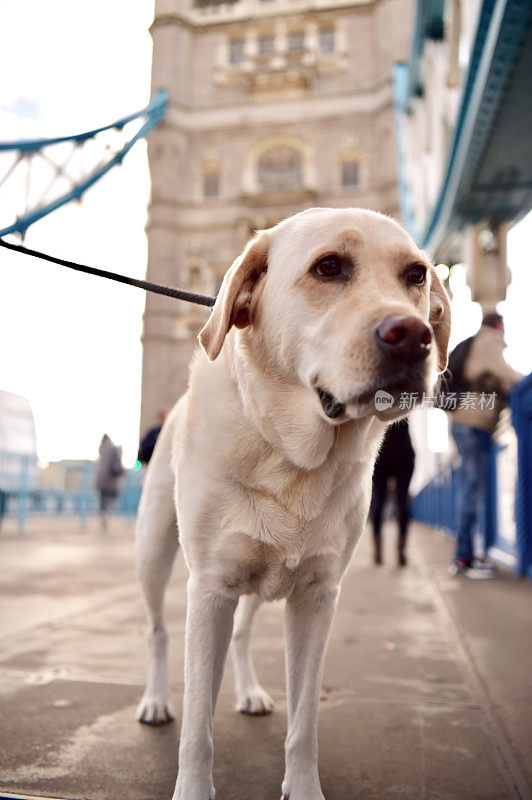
x=331 y=406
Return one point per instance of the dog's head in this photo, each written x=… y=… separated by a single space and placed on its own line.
x=342 y=302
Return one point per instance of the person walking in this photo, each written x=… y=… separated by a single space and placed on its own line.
x=395 y=460
x=107 y=479
x=488 y=379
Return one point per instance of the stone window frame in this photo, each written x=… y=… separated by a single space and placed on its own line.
x=209 y=164
x=331 y=32
x=235 y=57
x=296 y=40
x=352 y=157
x=309 y=44
x=207 y=174
x=266 y=36
x=284 y=172
x=250 y=178
x=350 y=173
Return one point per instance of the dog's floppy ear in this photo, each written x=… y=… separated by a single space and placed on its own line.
x=233 y=303
x=440 y=318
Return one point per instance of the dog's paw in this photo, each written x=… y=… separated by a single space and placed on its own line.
x=153 y=710
x=186 y=790
x=302 y=787
x=256 y=702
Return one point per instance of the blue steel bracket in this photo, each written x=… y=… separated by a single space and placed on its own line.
x=428 y=24
x=521 y=405
x=154 y=113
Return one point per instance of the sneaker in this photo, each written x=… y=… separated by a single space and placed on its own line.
x=480 y=570
x=458 y=567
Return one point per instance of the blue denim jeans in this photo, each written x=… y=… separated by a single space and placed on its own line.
x=473 y=446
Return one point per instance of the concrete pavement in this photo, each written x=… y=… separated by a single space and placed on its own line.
x=426 y=693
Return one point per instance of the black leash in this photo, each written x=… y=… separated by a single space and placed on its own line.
x=178 y=294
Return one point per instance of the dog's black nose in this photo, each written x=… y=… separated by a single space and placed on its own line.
x=407 y=339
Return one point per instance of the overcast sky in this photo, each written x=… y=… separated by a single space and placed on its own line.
x=71 y=343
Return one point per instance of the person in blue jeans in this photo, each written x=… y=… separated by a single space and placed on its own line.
x=487 y=373
x=473 y=445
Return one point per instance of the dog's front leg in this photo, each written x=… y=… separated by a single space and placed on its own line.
x=309 y=615
x=208 y=632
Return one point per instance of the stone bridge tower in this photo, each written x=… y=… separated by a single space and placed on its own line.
x=275 y=105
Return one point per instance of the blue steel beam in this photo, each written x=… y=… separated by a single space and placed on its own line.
x=154 y=112
x=498 y=43
x=488 y=172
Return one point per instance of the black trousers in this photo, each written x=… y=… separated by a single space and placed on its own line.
x=401 y=470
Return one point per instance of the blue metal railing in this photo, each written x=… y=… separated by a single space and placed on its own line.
x=506 y=524
x=521 y=405
x=27 y=491
x=434 y=504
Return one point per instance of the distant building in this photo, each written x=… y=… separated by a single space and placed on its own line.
x=68 y=474
x=17 y=429
x=275 y=105
x=18 y=443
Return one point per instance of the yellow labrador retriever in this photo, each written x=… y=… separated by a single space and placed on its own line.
x=269 y=457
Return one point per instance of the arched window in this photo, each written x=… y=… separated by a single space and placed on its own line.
x=280 y=169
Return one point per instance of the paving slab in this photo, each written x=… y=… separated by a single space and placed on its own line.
x=426 y=692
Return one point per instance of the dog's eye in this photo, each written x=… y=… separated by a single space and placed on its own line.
x=416 y=275
x=329 y=267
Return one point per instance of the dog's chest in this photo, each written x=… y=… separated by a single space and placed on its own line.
x=274 y=486
x=298 y=514
x=247 y=566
